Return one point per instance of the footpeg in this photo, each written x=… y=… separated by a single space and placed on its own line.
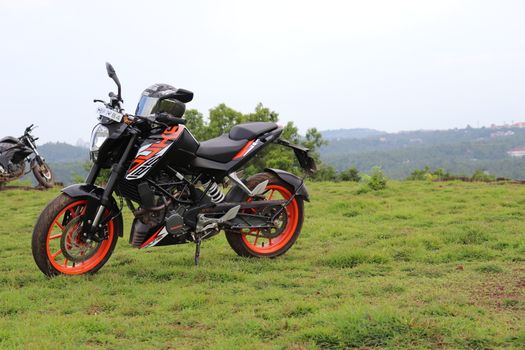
x=204 y=223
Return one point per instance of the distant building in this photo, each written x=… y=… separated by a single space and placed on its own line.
x=518 y=125
x=502 y=133
x=517 y=152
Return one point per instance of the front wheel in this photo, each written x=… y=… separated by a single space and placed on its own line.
x=43 y=173
x=270 y=242
x=58 y=246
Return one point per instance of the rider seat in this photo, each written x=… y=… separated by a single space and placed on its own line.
x=222 y=149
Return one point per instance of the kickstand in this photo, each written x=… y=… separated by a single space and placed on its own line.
x=197 y=250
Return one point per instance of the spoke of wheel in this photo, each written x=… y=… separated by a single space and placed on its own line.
x=65 y=262
x=57 y=253
x=256 y=238
x=271 y=194
x=60 y=226
x=269 y=241
x=55 y=236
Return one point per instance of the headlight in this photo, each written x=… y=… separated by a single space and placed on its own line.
x=98 y=136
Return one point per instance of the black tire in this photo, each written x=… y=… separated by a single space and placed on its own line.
x=40 y=238
x=43 y=174
x=235 y=238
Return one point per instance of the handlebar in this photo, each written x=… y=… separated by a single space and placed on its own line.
x=29 y=128
x=167 y=119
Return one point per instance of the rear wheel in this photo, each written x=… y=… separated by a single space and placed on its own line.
x=270 y=242
x=58 y=246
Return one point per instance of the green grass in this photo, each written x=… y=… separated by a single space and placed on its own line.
x=416 y=266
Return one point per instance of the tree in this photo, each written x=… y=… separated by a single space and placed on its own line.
x=222 y=119
x=313 y=139
x=195 y=123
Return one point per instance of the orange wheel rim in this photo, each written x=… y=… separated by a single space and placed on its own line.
x=256 y=241
x=54 y=235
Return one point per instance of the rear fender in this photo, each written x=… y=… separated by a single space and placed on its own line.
x=295 y=181
x=94 y=196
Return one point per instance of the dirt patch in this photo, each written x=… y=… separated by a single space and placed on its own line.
x=94 y=310
x=503 y=292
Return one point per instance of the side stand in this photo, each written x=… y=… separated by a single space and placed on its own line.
x=197 y=250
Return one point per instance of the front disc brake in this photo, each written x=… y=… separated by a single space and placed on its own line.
x=73 y=246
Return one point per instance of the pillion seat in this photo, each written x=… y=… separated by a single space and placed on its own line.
x=222 y=149
x=249 y=131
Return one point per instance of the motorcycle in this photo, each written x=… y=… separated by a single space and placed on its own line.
x=172 y=184
x=15 y=152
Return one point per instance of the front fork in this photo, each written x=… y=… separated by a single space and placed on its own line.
x=95 y=208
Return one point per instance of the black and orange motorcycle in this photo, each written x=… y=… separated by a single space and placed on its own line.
x=15 y=152
x=174 y=185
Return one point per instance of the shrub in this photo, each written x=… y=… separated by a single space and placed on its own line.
x=377 y=180
x=350 y=174
x=419 y=174
x=426 y=174
x=484 y=176
x=325 y=173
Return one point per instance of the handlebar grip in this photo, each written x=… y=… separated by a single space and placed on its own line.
x=167 y=119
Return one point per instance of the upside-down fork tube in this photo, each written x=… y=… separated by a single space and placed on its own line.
x=95 y=207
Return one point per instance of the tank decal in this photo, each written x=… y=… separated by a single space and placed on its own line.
x=149 y=154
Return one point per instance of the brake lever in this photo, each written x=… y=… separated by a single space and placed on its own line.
x=150 y=121
x=95 y=101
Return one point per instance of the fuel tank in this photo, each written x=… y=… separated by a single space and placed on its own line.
x=176 y=146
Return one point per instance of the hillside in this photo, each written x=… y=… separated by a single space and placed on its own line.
x=358 y=133
x=61 y=152
x=419 y=265
x=460 y=151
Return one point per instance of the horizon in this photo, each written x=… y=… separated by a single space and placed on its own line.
x=85 y=143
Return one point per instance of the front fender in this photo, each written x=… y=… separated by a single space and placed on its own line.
x=94 y=195
x=295 y=181
x=84 y=190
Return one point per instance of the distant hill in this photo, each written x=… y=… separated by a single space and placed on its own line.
x=460 y=151
x=357 y=133
x=61 y=152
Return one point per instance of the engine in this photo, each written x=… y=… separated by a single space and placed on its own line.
x=158 y=210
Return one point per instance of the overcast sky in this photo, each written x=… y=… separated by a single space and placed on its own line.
x=389 y=65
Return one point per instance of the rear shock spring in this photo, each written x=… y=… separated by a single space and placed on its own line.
x=214 y=192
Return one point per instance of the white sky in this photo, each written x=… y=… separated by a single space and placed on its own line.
x=389 y=65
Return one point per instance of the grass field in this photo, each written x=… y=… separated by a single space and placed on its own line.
x=416 y=266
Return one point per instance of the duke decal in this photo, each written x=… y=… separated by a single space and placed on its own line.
x=149 y=155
